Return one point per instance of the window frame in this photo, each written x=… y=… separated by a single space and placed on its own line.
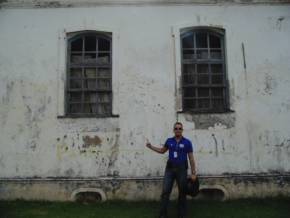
x=219 y=32
x=74 y=36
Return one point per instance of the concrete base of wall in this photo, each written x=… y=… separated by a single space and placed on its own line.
x=220 y=187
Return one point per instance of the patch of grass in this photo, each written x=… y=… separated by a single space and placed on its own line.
x=246 y=208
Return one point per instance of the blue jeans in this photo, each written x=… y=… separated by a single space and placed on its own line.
x=178 y=173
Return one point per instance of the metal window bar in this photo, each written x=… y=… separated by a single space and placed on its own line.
x=209 y=61
x=86 y=89
x=83 y=74
x=209 y=70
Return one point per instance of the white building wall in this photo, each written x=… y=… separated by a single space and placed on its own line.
x=35 y=141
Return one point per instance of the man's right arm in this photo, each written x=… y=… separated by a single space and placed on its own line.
x=159 y=150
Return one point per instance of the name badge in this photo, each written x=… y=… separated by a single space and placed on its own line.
x=175 y=154
x=181 y=145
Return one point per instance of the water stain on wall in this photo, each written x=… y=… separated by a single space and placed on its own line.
x=113 y=156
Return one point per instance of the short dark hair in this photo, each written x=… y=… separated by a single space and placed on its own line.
x=177 y=123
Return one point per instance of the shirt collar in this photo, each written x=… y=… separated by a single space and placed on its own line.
x=179 y=140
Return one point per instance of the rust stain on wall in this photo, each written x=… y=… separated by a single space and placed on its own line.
x=91 y=141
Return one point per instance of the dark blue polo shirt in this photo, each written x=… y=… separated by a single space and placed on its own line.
x=178 y=151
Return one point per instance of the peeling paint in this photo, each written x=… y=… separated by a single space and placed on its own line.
x=206 y=121
x=91 y=141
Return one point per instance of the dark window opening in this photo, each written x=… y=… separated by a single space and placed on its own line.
x=89 y=75
x=204 y=82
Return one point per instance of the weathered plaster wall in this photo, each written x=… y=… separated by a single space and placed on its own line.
x=34 y=142
x=230 y=187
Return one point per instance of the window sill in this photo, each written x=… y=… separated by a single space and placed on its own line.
x=88 y=116
x=227 y=111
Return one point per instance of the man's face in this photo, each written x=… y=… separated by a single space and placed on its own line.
x=178 y=130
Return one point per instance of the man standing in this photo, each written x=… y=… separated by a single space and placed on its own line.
x=176 y=169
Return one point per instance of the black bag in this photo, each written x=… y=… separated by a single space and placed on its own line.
x=192 y=187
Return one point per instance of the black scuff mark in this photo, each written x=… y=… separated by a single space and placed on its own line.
x=270 y=84
x=288 y=147
x=215 y=145
x=1 y=161
x=6 y=100
x=279 y=22
x=69 y=173
x=9 y=88
x=34 y=113
x=223 y=145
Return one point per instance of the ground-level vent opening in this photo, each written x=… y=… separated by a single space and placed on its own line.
x=88 y=195
x=211 y=194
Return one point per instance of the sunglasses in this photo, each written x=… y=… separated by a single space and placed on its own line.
x=177 y=128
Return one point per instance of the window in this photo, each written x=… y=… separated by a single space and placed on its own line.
x=204 y=82
x=89 y=74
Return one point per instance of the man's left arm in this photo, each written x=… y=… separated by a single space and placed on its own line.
x=192 y=165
